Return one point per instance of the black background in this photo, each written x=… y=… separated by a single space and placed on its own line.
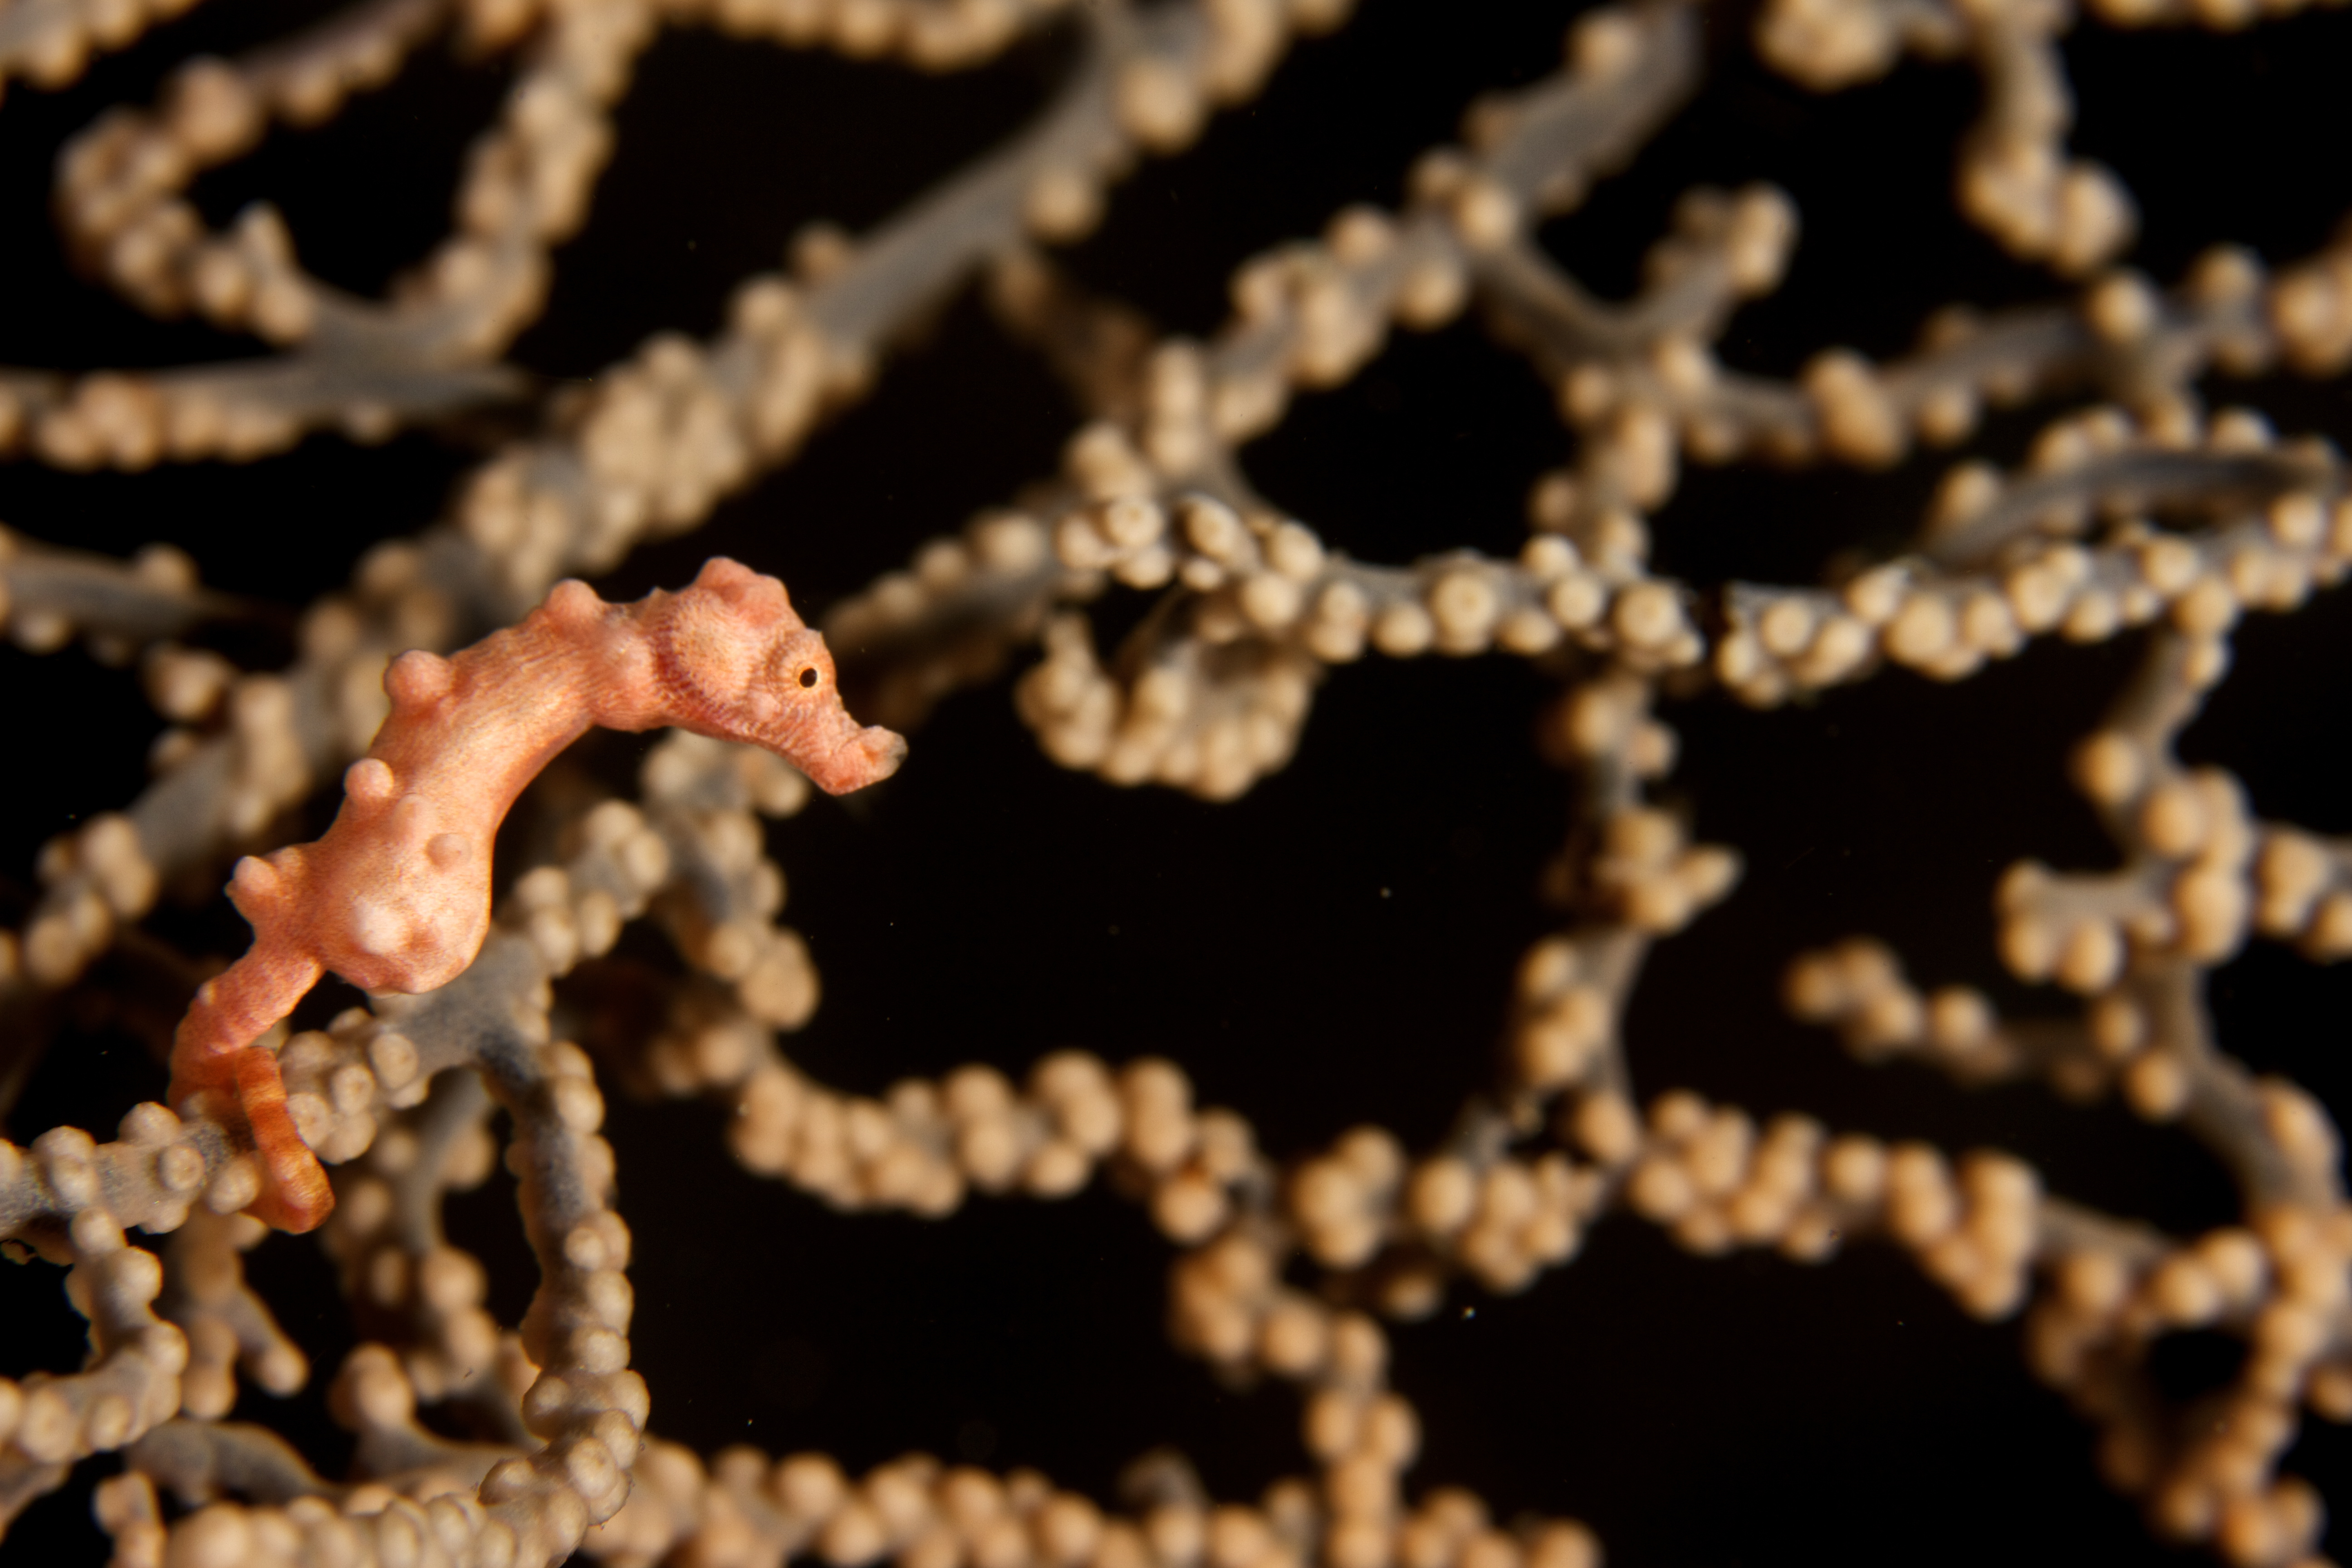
x=1337 y=946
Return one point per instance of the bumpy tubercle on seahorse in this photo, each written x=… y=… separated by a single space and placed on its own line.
x=396 y=896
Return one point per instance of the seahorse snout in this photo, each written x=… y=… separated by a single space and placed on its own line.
x=862 y=757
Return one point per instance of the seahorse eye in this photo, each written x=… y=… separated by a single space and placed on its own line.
x=808 y=676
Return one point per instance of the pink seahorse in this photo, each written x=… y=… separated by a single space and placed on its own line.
x=397 y=897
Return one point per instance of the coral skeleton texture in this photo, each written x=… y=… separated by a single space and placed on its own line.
x=1443 y=933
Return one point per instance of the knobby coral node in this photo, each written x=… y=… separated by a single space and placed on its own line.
x=397 y=897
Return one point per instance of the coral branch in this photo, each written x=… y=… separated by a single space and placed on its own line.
x=48 y=597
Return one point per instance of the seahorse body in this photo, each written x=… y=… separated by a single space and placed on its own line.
x=396 y=896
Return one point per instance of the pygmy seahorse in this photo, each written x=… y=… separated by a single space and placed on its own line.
x=397 y=897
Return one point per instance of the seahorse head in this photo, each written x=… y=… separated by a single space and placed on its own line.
x=740 y=664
